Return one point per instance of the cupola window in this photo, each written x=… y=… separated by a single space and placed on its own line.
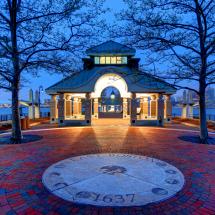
x=110 y=60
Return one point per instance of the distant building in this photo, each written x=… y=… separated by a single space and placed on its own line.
x=210 y=97
x=5 y=105
x=173 y=100
x=47 y=102
x=210 y=93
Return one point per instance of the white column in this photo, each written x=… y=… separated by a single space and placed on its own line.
x=153 y=106
x=53 y=109
x=125 y=108
x=68 y=108
x=31 y=114
x=141 y=108
x=144 y=104
x=37 y=105
x=184 y=113
x=190 y=111
x=79 y=106
x=167 y=108
x=75 y=107
x=187 y=111
x=96 y=108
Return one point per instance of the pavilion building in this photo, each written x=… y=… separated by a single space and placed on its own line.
x=111 y=85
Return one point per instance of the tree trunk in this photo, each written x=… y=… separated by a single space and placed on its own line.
x=16 y=128
x=202 y=115
x=202 y=78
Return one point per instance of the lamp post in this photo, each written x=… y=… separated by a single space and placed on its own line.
x=39 y=101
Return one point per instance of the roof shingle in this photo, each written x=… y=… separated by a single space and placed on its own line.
x=137 y=81
x=110 y=48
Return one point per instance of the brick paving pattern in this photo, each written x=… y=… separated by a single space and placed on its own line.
x=22 y=166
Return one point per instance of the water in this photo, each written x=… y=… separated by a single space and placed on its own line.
x=210 y=112
x=24 y=110
x=178 y=110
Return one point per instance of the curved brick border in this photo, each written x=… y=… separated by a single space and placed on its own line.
x=22 y=166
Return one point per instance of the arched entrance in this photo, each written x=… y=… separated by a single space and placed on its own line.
x=110 y=97
x=111 y=80
x=110 y=103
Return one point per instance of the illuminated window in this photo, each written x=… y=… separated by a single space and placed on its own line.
x=97 y=60
x=124 y=60
x=119 y=60
x=113 y=60
x=102 y=60
x=108 y=60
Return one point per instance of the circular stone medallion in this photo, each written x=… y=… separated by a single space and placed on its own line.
x=113 y=179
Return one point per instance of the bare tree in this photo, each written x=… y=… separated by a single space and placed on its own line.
x=178 y=36
x=37 y=34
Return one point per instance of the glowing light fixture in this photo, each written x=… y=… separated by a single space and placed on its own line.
x=112 y=95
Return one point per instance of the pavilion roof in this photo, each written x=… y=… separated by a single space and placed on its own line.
x=111 y=48
x=137 y=81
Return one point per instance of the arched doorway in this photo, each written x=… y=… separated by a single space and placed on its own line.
x=111 y=80
x=108 y=84
x=110 y=103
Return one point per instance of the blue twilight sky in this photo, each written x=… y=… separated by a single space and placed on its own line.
x=45 y=79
